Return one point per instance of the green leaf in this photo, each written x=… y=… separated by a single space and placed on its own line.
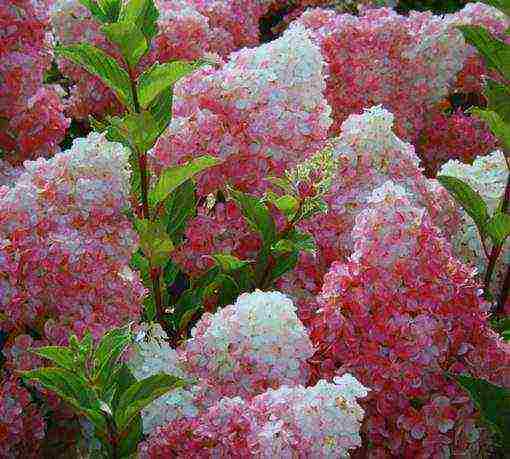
x=468 y=198
x=154 y=241
x=130 y=40
x=502 y=5
x=70 y=388
x=492 y=401
x=160 y=77
x=100 y=64
x=62 y=356
x=498 y=127
x=498 y=97
x=174 y=177
x=111 y=8
x=229 y=263
x=282 y=183
x=302 y=241
x=284 y=264
x=283 y=246
x=495 y=52
x=139 y=130
x=161 y=110
x=141 y=394
x=257 y=215
x=179 y=208
x=143 y=14
x=109 y=349
x=498 y=227
x=95 y=10
x=287 y=204
x=187 y=317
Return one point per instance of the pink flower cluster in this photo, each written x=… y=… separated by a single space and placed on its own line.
x=320 y=422
x=457 y=136
x=21 y=423
x=384 y=58
x=31 y=113
x=65 y=244
x=261 y=112
x=398 y=314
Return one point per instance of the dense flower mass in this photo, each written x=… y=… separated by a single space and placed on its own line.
x=245 y=348
x=384 y=58
x=31 y=113
x=261 y=112
x=487 y=176
x=65 y=244
x=322 y=421
x=21 y=425
x=398 y=314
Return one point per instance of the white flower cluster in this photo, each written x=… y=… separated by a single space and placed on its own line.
x=488 y=176
x=247 y=347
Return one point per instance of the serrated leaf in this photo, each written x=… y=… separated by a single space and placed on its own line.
x=62 y=356
x=141 y=394
x=174 y=177
x=229 y=263
x=100 y=64
x=161 y=109
x=179 y=208
x=498 y=97
x=495 y=52
x=496 y=124
x=143 y=14
x=70 y=388
x=468 y=198
x=302 y=241
x=160 y=77
x=492 y=401
x=498 y=227
x=284 y=264
x=130 y=40
x=257 y=215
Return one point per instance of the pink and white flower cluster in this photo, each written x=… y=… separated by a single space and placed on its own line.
x=398 y=314
x=262 y=112
x=249 y=362
x=65 y=243
x=31 y=113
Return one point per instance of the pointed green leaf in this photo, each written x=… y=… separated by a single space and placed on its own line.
x=492 y=401
x=288 y=204
x=70 y=388
x=498 y=97
x=161 y=109
x=284 y=264
x=302 y=241
x=282 y=183
x=495 y=52
x=229 y=263
x=160 y=77
x=179 y=208
x=174 y=177
x=154 y=241
x=109 y=350
x=257 y=215
x=468 y=198
x=143 y=14
x=95 y=10
x=498 y=227
x=283 y=246
x=498 y=127
x=502 y=5
x=101 y=65
x=141 y=394
x=111 y=8
x=60 y=355
x=138 y=130
x=130 y=40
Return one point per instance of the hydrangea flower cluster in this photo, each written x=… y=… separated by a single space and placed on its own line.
x=321 y=422
x=261 y=112
x=31 y=113
x=65 y=244
x=488 y=176
x=21 y=425
x=384 y=58
x=245 y=348
x=457 y=136
x=398 y=314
